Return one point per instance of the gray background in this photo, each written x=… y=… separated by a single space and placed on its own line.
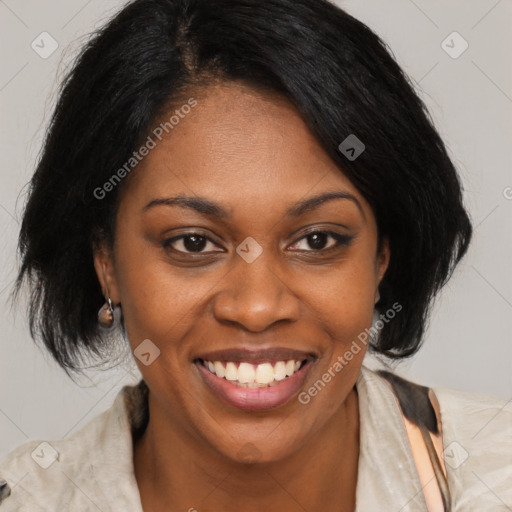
x=468 y=345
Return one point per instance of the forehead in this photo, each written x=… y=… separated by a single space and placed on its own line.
x=239 y=146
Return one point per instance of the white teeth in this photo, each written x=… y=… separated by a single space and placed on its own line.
x=231 y=372
x=219 y=369
x=246 y=373
x=254 y=376
x=279 y=370
x=264 y=373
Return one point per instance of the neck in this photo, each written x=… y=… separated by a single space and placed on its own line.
x=174 y=472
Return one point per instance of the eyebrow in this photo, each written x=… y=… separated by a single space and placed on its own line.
x=213 y=209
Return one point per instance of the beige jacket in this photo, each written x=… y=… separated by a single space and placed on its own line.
x=93 y=468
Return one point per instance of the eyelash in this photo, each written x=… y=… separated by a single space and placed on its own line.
x=341 y=241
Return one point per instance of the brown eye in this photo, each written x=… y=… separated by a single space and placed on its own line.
x=319 y=240
x=189 y=243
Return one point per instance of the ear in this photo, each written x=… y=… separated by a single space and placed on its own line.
x=104 y=266
x=382 y=261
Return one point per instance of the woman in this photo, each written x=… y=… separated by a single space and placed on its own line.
x=242 y=187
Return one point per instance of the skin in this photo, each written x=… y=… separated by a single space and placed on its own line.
x=252 y=153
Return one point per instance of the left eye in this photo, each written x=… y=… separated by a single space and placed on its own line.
x=318 y=240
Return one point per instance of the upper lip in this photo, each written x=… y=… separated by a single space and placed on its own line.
x=256 y=356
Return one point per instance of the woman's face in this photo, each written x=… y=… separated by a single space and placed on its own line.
x=260 y=278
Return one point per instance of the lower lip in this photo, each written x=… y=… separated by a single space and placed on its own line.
x=254 y=399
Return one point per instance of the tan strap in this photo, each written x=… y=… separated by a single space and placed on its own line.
x=426 y=441
x=427 y=449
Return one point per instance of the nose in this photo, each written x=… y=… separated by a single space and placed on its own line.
x=255 y=296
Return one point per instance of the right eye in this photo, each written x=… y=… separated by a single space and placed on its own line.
x=188 y=243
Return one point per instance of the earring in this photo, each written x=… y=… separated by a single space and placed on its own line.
x=106 y=314
x=377 y=296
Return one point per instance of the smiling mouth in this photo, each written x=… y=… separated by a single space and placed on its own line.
x=249 y=375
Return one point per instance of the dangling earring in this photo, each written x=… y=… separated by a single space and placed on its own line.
x=106 y=314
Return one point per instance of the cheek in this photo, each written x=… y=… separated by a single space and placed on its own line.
x=343 y=300
x=157 y=299
x=343 y=309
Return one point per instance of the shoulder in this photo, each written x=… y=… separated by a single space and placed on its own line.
x=471 y=402
x=476 y=431
x=81 y=472
x=476 y=419
x=477 y=436
x=478 y=416
x=43 y=472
